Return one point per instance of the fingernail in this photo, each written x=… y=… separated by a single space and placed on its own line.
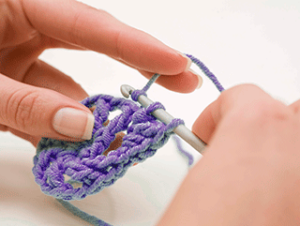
x=200 y=80
x=74 y=123
x=189 y=61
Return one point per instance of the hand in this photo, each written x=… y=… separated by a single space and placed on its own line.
x=32 y=105
x=250 y=171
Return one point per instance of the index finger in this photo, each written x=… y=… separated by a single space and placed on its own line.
x=94 y=29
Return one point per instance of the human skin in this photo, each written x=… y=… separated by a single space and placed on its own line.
x=250 y=171
x=249 y=174
x=32 y=92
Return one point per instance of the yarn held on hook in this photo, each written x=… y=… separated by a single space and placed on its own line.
x=86 y=163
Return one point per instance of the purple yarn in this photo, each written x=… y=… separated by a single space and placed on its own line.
x=207 y=72
x=84 y=216
x=85 y=163
x=186 y=154
x=136 y=93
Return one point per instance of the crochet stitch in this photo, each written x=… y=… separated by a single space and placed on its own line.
x=87 y=164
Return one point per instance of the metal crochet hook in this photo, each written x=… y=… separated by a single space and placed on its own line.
x=166 y=118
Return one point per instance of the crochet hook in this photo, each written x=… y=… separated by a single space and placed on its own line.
x=166 y=118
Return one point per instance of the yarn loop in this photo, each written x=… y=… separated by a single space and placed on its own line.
x=89 y=168
x=85 y=162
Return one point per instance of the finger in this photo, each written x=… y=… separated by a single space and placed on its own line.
x=36 y=72
x=184 y=82
x=99 y=31
x=43 y=112
x=3 y=128
x=115 y=144
x=238 y=102
x=16 y=61
x=34 y=140
x=43 y=75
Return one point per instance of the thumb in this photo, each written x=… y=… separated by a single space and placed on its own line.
x=242 y=101
x=43 y=112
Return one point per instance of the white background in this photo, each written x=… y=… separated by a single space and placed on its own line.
x=249 y=41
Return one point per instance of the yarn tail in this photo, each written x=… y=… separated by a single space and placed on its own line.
x=83 y=215
x=186 y=154
x=207 y=72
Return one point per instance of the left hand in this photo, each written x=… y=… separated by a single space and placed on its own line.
x=28 y=27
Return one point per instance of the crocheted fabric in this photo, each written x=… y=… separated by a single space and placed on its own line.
x=85 y=162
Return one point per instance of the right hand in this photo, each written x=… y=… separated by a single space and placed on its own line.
x=250 y=171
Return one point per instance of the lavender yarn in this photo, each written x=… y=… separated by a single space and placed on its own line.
x=136 y=93
x=83 y=215
x=85 y=163
x=186 y=154
x=207 y=72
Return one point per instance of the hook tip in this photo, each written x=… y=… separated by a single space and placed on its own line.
x=126 y=90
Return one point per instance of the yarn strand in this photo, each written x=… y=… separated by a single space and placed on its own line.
x=83 y=215
x=207 y=72
x=85 y=162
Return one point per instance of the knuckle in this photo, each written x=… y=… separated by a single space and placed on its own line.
x=21 y=108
